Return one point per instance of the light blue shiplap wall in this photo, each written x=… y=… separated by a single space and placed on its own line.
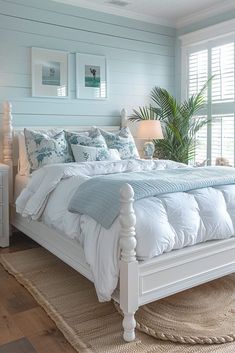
x=228 y=15
x=139 y=56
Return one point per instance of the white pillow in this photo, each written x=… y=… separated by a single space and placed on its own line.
x=23 y=161
x=88 y=153
x=44 y=148
x=123 y=141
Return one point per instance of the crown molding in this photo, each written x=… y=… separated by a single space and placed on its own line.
x=123 y=12
x=214 y=10
x=220 y=30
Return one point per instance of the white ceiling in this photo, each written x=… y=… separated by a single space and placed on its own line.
x=169 y=12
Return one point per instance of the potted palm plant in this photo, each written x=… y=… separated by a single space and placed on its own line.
x=178 y=123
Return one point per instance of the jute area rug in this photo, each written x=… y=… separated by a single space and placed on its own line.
x=70 y=300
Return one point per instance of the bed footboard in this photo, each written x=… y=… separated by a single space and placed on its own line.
x=129 y=281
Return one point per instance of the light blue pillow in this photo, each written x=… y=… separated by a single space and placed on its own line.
x=92 y=138
x=88 y=154
x=46 y=148
x=123 y=141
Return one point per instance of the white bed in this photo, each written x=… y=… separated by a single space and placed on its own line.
x=140 y=282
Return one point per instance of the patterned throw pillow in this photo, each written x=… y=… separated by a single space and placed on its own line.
x=88 y=154
x=45 y=148
x=92 y=138
x=123 y=141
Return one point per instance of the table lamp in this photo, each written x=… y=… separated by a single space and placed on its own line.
x=150 y=130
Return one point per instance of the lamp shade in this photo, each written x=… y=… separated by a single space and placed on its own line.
x=149 y=129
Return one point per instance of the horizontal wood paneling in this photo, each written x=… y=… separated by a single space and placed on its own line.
x=99 y=17
x=85 y=25
x=139 y=56
x=62 y=33
x=63 y=120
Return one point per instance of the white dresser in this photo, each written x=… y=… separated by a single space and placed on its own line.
x=4 y=206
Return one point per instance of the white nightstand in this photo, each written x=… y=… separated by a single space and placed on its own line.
x=4 y=206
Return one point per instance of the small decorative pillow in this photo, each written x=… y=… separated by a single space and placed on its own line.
x=88 y=154
x=123 y=141
x=92 y=138
x=45 y=149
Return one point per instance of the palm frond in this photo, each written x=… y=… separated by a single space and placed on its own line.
x=144 y=113
x=178 y=122
x=165 y=102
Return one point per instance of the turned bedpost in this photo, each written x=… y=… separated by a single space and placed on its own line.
x=129 y=289
x=124 y=118
x=8 y=144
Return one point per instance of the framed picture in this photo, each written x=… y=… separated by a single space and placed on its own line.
x=49 y=73
x=91 y=76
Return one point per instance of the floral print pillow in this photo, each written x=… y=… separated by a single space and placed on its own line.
x=123 y=141
x=46 y=148
x=88 y=154
x=93 y=138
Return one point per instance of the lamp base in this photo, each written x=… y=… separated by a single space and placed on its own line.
x=148 y=150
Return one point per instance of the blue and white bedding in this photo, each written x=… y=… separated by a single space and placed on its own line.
x=104 y=191
x=164 y=222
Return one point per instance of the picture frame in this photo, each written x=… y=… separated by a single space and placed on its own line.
x=91 y=76
x=49 y=73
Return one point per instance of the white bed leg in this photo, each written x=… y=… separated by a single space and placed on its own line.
x=129 y=290
x=129 y=325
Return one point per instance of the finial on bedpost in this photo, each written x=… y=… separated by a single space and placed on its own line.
x=124 y=118
x=129 y=278
x=8 y=143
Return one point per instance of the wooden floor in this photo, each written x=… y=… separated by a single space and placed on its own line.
x=24 y=325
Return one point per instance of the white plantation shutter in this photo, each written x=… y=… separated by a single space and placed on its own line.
x=217 y=139
x=197 y=77
x=201 y=144
x=222 y=66
x=198 y=71
x=222 y=138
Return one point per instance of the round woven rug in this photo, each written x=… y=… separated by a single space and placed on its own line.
x=201 y=315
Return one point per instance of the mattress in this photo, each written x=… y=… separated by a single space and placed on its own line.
x=55 y=215
x=21 y=182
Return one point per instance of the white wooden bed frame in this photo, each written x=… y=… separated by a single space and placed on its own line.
x=140 y=282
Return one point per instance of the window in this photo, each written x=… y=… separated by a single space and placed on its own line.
x=222 y=141
x=215 y=142
x=222 y=68
x=201 y=143
x=198 y=71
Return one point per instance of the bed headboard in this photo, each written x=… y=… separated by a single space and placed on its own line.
x=10 y=139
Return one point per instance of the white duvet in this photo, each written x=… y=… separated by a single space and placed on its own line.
x=164 y=223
